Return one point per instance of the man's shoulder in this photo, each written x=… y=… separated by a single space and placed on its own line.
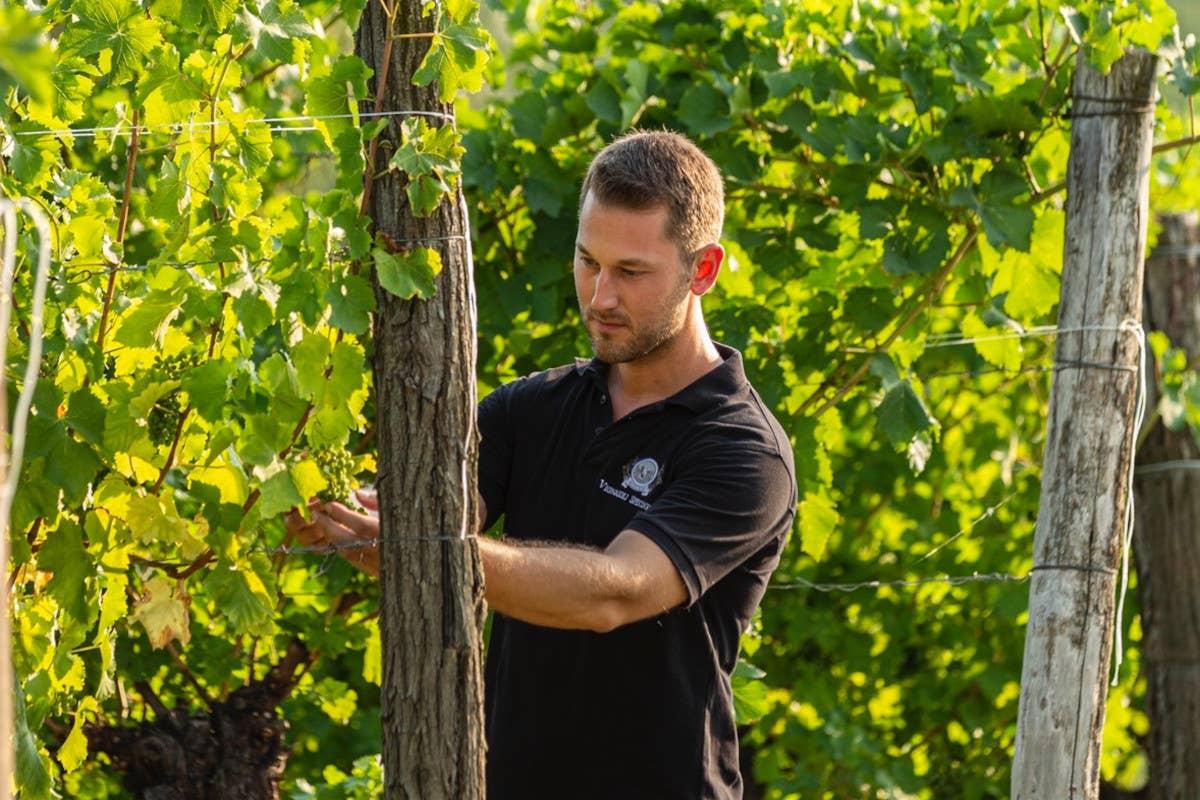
x=744 y=419
x=543 y=385
x=553 y=377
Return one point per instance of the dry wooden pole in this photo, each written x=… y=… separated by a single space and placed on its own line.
x=431 y=580
x=7 y=755
x=1168 y=515
x=1077 y=543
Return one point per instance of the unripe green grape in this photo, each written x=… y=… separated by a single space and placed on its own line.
x=164 y=419
x=171 y=367
x=337 y=465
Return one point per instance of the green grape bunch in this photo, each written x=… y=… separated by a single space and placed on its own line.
x=337 y=465
x=171 y=367
x=163 y=420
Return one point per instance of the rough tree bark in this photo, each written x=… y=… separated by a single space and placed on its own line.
x=432 y=588
x=1168 y=514
x=1077 y=543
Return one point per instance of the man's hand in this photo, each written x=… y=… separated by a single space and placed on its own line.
x=353 y=535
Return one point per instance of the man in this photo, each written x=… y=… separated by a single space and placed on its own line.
x=646 y=494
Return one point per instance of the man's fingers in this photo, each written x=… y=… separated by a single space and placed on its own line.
x=367 y=498
x=359 y=549
x=306 y=533
x=334 y=532
x=360 y=526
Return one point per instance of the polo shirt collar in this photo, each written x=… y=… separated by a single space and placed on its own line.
x=706 y=391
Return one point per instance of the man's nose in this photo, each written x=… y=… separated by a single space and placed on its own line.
x=604 y=295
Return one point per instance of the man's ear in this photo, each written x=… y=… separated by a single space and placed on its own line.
x=708 y=265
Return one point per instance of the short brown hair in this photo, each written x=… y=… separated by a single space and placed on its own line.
x=649 y=169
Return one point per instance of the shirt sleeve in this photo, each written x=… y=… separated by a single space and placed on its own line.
x=727 y=502
x=496 y=448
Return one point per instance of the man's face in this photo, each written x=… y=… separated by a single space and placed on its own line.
x=629 y=280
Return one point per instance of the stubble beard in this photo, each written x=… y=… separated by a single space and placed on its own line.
x=644 y=340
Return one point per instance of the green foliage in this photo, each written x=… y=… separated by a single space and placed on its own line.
x=893 y=181
x=207 y=318
x=891 y=177
x=430 y=158
x=458 y=51
x=25 y=61
x=408 y=273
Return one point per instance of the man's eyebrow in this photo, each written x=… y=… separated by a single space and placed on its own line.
x=624 y=262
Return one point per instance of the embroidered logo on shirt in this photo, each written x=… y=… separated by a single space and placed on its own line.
x=642 y=475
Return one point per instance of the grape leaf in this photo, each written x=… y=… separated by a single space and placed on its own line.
x=228 y=480
x=172 y=193
x=307 y=478
x=408 y=274
x=74 y=749
x=750 y=694
x=337 y=699
x=85 y=415
x=902 y=414
x=146 y=324
x=163 y=611
x=275 y=29
x=431 y=159
x=279 y=494
x=456 y=59
x=33 y=765
x=350 y=303
x=818 y=520
x=335 y=94
x=32 y=157
x=207 y=387
x=120 y=26
x=310 y=357
x=373 y=655
x=704 y=110
x=25 y=57
x=64 y=555
x=69 y=464
x=1006 y=219
x=153 y=518
x=348 y=373
x=993 y=346
x=242 y=598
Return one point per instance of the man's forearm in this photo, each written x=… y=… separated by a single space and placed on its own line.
x=558 y=586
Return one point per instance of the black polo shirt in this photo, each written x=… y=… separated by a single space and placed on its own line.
x=644 y=711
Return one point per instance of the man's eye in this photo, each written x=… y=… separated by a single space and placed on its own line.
x=630 y=273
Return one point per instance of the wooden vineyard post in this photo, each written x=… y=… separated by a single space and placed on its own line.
x=8 y=251
x=1168 y=514
x=1088 y=453
x=431 y=580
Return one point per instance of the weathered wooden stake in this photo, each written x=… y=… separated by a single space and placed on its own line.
x=1081 y=516
x=1168 y=515
x=431 y=590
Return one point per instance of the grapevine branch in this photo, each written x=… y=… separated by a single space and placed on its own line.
x=1164 y=147
x=380 y=90
x=122 y=223
x=1175 y=144
x=932 y=290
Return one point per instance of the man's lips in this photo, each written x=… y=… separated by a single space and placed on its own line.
x=607 y=325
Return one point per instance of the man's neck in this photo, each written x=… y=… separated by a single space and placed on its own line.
x=657 y=376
